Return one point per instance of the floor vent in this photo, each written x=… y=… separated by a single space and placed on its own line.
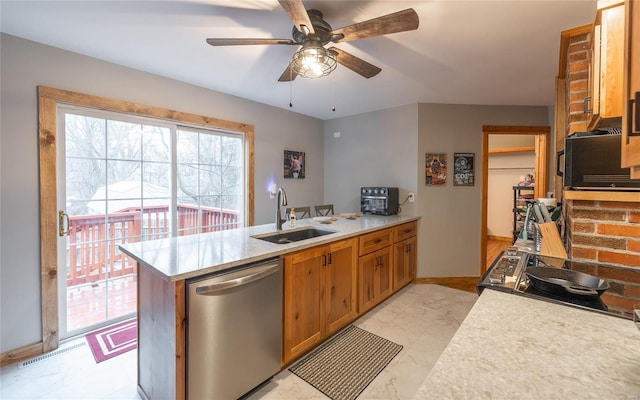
x=51 y=354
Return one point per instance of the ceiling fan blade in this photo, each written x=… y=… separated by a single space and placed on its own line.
x=401 y=21
x=288 y=75
x=240 y=42
x=298 y=15
x=356 y=64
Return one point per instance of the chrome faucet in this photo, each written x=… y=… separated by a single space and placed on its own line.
x=281 y=200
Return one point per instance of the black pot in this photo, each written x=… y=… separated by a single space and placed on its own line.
x=565 y=281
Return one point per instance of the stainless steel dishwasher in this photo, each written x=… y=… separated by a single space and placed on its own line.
x=234 y=330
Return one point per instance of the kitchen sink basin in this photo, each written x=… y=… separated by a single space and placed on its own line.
x=292 y=236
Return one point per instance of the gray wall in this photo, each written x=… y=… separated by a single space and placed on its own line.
x=388 y=147
x=25 y=65
x=374 y=149
x=449 y=241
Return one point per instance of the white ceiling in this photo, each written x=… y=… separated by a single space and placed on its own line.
x=464 y=52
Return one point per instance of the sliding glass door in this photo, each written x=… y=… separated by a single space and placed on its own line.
x=124 y=179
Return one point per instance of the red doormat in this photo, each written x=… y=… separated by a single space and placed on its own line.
x=113 y=340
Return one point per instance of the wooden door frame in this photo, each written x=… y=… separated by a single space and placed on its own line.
x=542 y=138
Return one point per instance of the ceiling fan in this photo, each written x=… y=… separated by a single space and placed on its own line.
x=312 y=33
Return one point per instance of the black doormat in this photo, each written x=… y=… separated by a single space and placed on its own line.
x=345 y=365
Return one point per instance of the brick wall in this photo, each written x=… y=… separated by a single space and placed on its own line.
x=577 y=81
x=608 y=235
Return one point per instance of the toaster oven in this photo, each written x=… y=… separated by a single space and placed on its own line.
x=379 y=200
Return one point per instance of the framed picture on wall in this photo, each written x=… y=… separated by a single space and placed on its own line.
x=435 y=169
x=294 y=166
x=463 y=170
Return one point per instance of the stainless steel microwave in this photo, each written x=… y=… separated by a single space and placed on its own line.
x=379 y=200
x=592 y=161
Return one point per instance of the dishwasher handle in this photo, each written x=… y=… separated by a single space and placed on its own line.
x=246 y=276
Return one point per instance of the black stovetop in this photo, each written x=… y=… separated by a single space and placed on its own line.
x=514 y=280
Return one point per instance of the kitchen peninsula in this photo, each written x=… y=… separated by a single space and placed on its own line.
x=379 y=253
x=516 y=347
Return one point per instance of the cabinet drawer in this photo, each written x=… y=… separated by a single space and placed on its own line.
x=401 y=232
x=374 y=241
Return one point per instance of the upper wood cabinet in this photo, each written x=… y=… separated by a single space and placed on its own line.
x=631 y=94
x=607 y=63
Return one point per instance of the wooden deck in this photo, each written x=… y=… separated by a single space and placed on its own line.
x=92 y=304
x=93 y=256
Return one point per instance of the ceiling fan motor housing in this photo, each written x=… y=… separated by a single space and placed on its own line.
x=320 y=26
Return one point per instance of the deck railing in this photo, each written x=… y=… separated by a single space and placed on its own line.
x=93 y=252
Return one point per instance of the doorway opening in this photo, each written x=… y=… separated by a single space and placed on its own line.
x=541 y=138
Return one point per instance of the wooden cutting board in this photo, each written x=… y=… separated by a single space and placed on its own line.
x=551 y=244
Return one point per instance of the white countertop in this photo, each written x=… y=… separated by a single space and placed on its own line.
x=195 y=255
x=514 y=347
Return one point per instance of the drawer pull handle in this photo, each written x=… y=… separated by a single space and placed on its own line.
x=585 y=105
x=377 y=241
x=636 y=115
x=633 y=116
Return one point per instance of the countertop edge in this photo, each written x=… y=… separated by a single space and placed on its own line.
x=270 y=250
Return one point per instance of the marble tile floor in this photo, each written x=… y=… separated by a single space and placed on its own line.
x=422 y=318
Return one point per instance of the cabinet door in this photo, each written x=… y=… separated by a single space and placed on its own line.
x=412 y=257
x=384 y=274
x=367 y=267
x=406 y=263
x=303 y=308
x=607 y=63
x=340 y=285
x=631 y=115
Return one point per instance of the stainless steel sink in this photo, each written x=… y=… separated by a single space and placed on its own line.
x=292 y=236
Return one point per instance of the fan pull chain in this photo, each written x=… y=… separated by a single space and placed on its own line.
x=290 y=87
x=333 y=86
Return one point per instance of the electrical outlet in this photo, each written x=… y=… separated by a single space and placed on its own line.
x=412 y=198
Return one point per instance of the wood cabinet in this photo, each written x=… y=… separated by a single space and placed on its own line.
x=631 y=92
x=319 y=295
x=375 y=278
x=375 y=269
x=340 y=285
x=374 y=241
x=607 y=63
x=406 y=255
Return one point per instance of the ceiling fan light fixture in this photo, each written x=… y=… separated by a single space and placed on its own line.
x=314 y=61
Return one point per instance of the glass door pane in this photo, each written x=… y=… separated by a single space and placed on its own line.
x=117 y=190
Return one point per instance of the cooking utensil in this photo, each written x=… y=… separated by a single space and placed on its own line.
x=525 y=227
x=566 y=281
x=545 y=213
x=536 y=209
x=551 y=242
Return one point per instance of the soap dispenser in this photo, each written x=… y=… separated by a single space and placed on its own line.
x=292 y=217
